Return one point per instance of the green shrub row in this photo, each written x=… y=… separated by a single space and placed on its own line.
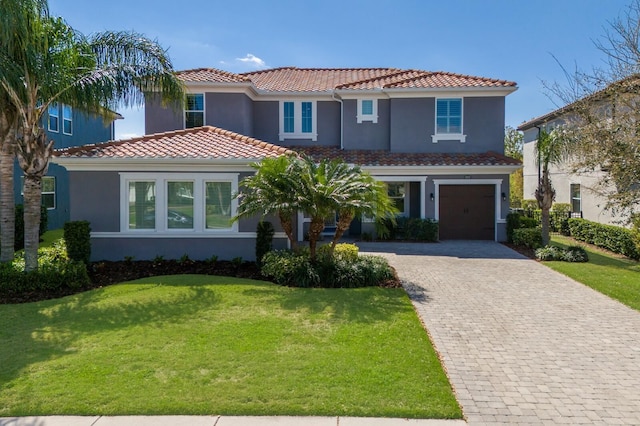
x=528 y=237
x=613 y=238
x=55 y=272
x=407 y=228
x=77 y=236
x=570 y=254
x=296 y=270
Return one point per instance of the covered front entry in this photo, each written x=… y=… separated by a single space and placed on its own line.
x=467 y=212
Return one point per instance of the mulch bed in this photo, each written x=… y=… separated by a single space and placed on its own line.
x=525 y=251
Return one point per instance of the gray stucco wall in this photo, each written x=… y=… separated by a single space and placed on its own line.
x=266 y=121
x=366 y=135
x=412 y=124
x=158 y=118
x=95 y=196
x=174 y=248
x=230 y=111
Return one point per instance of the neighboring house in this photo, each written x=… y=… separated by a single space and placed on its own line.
x=436 y=139
x=574 y=189
x=67 y=127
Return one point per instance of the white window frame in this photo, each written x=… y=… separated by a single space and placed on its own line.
x=572 y=198
x=437 y=137
x=405 y=197
x=297 y=120
x=53 y=106
x=203 y=111
x=70 y=119
x=199 y=204
x=373 y=117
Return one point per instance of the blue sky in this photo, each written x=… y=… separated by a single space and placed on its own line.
x=507 y=39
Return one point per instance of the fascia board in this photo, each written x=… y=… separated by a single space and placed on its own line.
x=156 y=164
x=448 y=91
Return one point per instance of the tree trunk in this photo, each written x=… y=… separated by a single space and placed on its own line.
x=545 y=194
x=33 y=155
x=315 y=229
x=7 y=199
x=344 y=220
x=287 y=227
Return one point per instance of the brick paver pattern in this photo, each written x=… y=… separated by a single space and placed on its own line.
x=521 y=343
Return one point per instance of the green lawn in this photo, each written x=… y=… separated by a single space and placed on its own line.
x=214 y=345
x=617 y=278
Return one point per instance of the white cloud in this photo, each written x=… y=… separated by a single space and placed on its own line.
x=252 y=60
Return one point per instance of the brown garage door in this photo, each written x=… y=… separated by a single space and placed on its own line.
x=467 y=212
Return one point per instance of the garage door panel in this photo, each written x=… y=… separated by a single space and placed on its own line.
x=467 y=212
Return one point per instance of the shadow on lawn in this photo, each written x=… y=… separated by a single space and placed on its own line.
x=365 y=304
x=50 y=329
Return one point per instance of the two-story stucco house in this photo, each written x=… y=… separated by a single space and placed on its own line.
x=435 y=138
x=67 y=127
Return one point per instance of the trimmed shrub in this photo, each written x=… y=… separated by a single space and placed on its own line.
x=613 y=238
x=345 y=271
x=528 y=237
x=407 y=228
x=77 y=235
x=264 y=240
x=343 y=251
x=561 y=208
x=518 y=221
x=55 y=272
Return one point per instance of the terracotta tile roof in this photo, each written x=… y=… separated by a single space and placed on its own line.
x=385 y=158
x=201 y=142
x=293 y=79
x=210 y=75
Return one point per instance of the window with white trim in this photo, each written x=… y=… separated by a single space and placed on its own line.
x=449 y=120
x=54 y=117
x=367 y=110
x=576 y=199
x=298 y=120
x=194 y=110
x=67 y=119
x=178 y=202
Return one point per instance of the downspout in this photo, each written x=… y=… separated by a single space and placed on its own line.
x=333 y=95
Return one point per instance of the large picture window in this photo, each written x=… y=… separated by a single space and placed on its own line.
x=396 y=192
x=194 y=110
x=179 y=202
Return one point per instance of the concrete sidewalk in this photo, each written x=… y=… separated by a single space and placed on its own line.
x=218 y=421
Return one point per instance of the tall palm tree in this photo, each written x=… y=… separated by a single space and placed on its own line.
x=550 y=149
x=62 y=65
x=16 y=21
x=271 y=191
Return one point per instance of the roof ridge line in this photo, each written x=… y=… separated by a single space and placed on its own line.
x=366 y=80
x=248 y=139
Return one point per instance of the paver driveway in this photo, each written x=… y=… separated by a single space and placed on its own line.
x=521 y=343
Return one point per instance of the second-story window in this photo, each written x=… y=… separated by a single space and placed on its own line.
x=367 y=110
x=54 y=117
x=67 y=120
x=194 y=110
x=449 y=120
x=298 y=120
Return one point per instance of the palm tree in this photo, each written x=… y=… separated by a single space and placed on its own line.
x=271 y=191
x=331 y=187
x=62 y=65
x=16 y=21
x=550 y=149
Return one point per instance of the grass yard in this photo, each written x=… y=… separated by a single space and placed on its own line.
x=616 y=277
x=196 y=344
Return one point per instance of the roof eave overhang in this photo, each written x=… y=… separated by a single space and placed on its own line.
x=441 y=170
x=156 y=164
x=448 y=91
